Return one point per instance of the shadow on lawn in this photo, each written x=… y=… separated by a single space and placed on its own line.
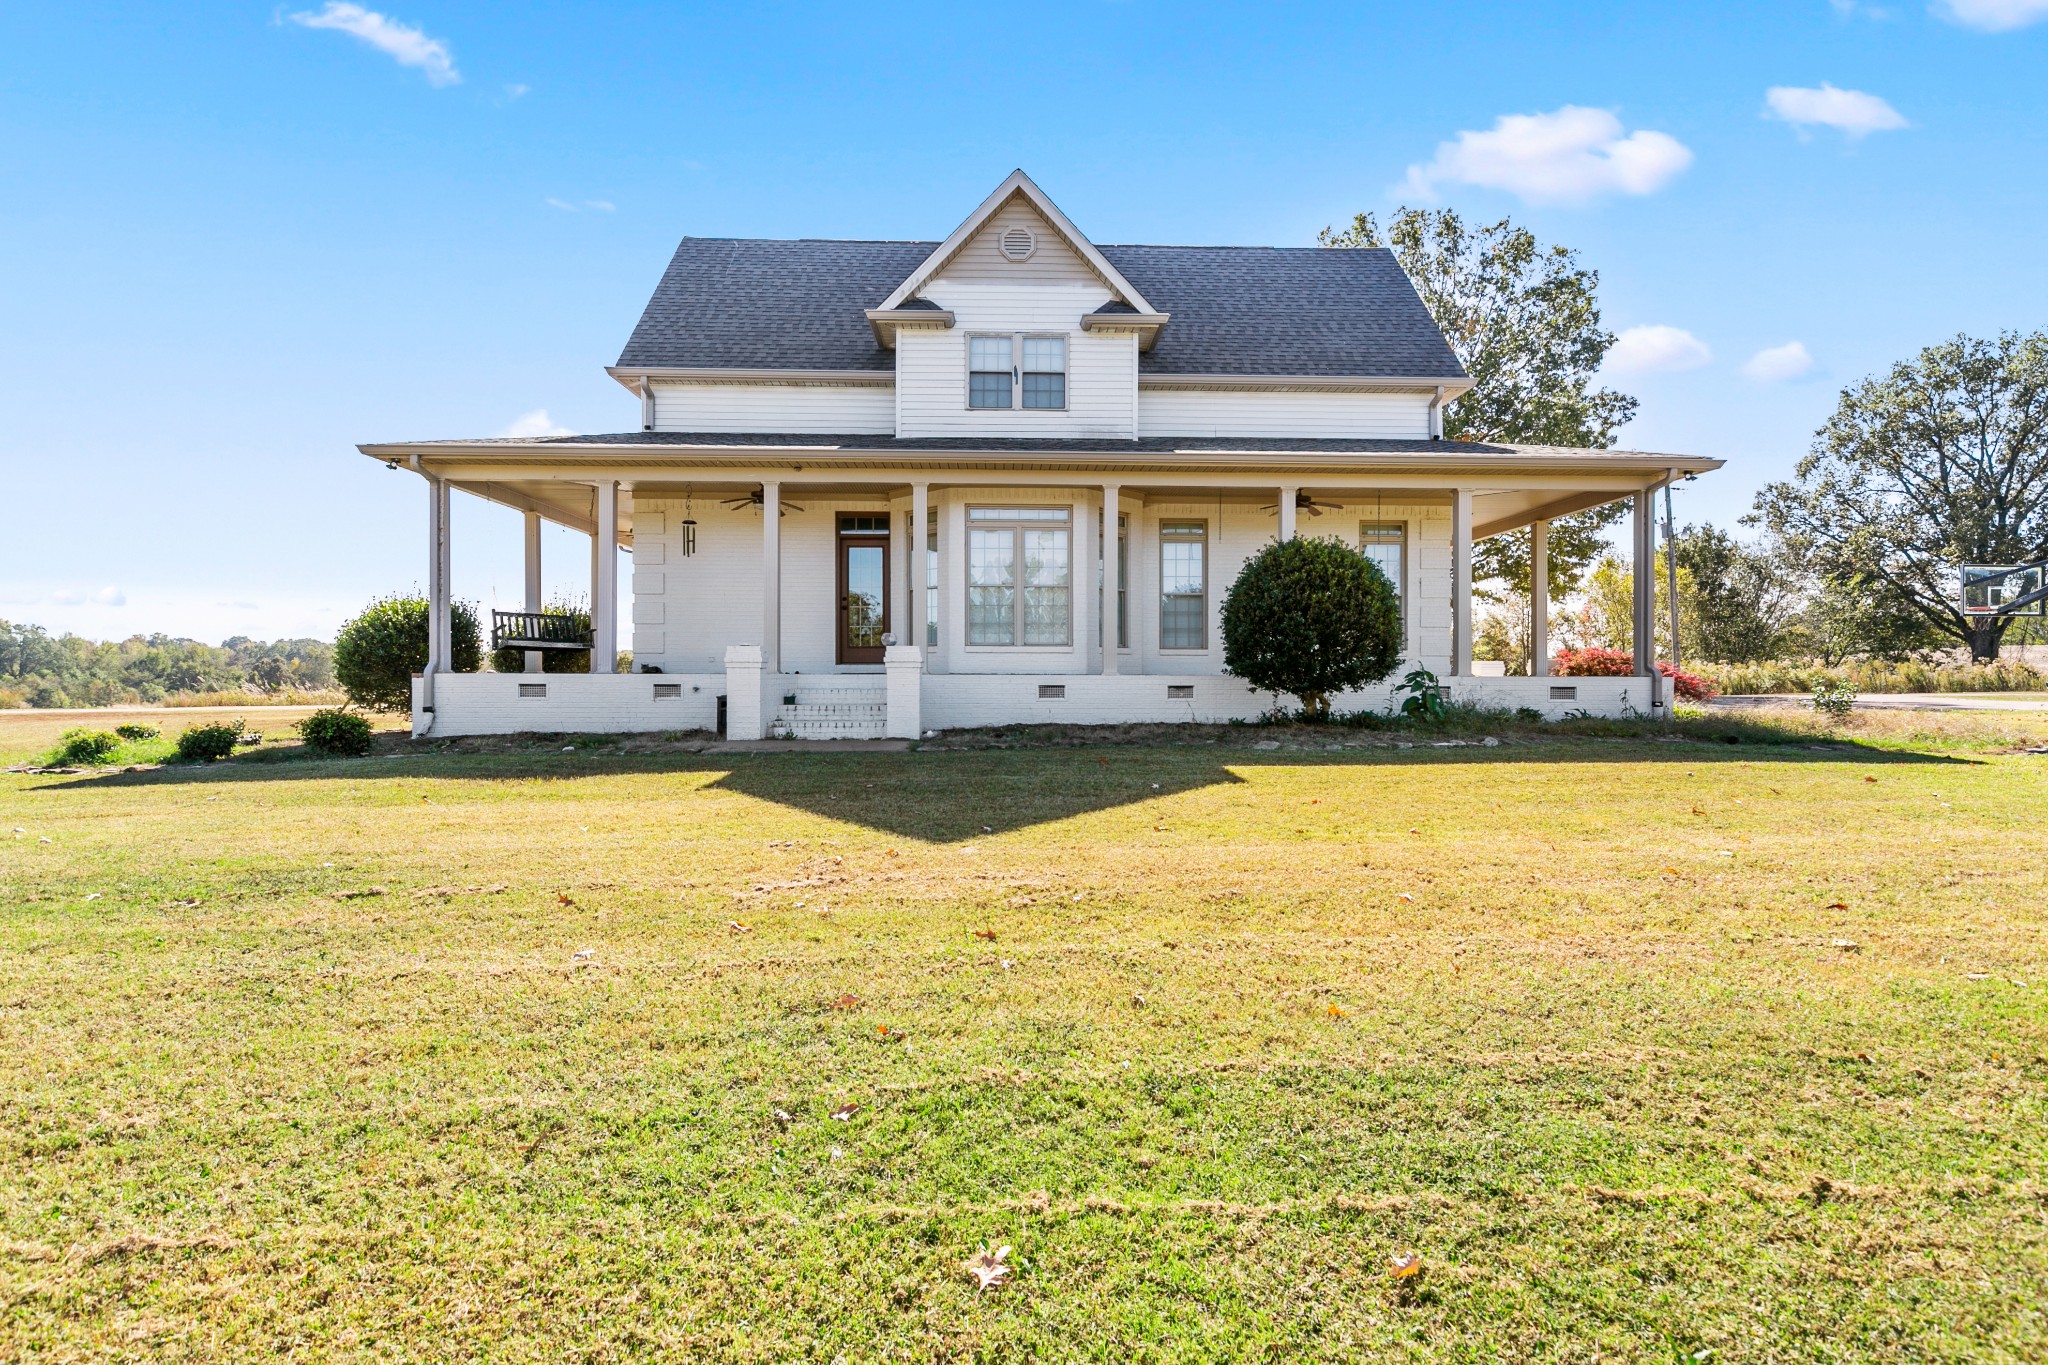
x=959 y=795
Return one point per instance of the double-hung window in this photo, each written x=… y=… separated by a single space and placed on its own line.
x=1386 y=544
x=1183 y=585
x=1019 y=576
x=1017 y=371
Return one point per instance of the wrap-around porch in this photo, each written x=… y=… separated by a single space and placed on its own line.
x=866 y=603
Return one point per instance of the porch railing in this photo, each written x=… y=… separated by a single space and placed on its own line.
x=538 y=630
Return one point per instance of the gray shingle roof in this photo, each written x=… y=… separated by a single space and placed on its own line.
x=800 y=305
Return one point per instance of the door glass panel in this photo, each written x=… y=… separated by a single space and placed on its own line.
x=864 y=596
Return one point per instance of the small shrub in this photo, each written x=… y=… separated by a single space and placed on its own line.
x=1311 y=618
x=343 y=733
x=1425 y=699
x=205 y=743
x=1619 y=663
x=378 y=651
x=136 y=730
x=1835 y=701
x=85 y=746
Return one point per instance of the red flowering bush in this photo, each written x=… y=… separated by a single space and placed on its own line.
x=1618 y=663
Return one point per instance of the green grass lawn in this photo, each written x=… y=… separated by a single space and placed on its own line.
x=1647 y=1047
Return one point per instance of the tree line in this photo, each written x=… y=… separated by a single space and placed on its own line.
x=1940 y=461
x=41 y=669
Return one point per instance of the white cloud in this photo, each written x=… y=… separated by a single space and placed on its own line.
x=562 y=204
x=1657 y=349
x=68 y=597
x=535 y=423
x=1575 y=153
x=111 y=596
x=1852 y=111
x=594 y=205
x=601 y=205
x=513 y=92
x=403 y=43
x=1993 y=16
x=1777 y=364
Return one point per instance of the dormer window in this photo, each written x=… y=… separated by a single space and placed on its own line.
x=1017 y=371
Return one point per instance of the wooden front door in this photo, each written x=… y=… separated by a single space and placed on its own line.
x=863 y=587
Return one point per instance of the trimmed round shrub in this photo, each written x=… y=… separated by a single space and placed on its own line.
x=338 y=732
x=137 y=731
x=205 y=743
x=377 y=652
x=85 y=746
x=1311 y=618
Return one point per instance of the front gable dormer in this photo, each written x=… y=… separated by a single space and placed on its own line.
x=1017 y=287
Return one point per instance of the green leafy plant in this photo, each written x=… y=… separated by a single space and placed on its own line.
x=338 y=732
x=205 y=743
x=1834 y=700
x=1425 y=699
x=136 y=730
x=1311 y=618
x=85 y=746
x=378 y=651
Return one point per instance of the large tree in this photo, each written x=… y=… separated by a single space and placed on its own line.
x=1941 y=462
x=1745 y=600
x=1524 y=320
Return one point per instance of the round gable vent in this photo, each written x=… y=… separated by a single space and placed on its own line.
x=1017 y=243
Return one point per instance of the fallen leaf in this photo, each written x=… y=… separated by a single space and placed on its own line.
x=1339 y=1012
x=1404 y=1267
x=1137 y=999
x=782 y=1119
x=1838 y=905
x=1848 y=945
x=358 y=895
x=1863 y=1057
x=738 y=926
x=987 y=1267
x=1697 y=811
x=1162 y=829
x=1669 y=871
x=94 y=896
x=1007 y=964
x=583 y=952
x=884 y=1031
x=845 y=1111
x=1404 y=896
x=988 y=934
x=1415 y=831
x=845 y=1002
x=564 y=898
x=1870 y=779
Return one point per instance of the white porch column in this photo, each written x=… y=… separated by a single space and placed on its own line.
x=1461 y=582
x=771 y=578
x=903 y=667
x=604 y=588
x=1645 y=624
x=533 y=659
x=920 y=590
x=1112 y=580
x=1539 y=600
x=1287 y=496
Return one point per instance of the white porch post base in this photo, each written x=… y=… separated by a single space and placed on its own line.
x=745 y=715
x=905 y=667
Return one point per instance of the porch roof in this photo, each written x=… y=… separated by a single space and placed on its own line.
x=750 y=448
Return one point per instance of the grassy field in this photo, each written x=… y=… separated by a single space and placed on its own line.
x=1650 y=1049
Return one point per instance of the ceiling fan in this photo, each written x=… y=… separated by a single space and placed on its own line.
x=753 y=499
x=1304 y=503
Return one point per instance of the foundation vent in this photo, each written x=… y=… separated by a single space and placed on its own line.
x=1051 y=691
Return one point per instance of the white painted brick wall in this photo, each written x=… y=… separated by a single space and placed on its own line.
x=576 y=703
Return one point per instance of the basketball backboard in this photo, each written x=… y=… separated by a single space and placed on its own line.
x=1990 y=589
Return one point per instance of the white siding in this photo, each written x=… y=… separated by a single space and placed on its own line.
x=979 y=261
x=826 y=409
x=1310 y=413
x=686 y=610
x=1102 y=370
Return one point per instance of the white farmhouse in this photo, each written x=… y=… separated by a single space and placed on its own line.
x=885 y=487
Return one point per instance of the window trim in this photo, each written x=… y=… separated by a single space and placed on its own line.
x=1015 y=527
x=1165 y=538
x=1401 y=588
x=1017 y=340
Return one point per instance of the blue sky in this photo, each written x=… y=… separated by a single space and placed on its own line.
x=236 y=239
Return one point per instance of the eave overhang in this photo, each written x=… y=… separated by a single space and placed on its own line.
x=886 y=322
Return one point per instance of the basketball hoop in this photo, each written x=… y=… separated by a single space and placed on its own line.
x=2003 y=589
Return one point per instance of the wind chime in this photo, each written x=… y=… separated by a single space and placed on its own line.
x=689 y=526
